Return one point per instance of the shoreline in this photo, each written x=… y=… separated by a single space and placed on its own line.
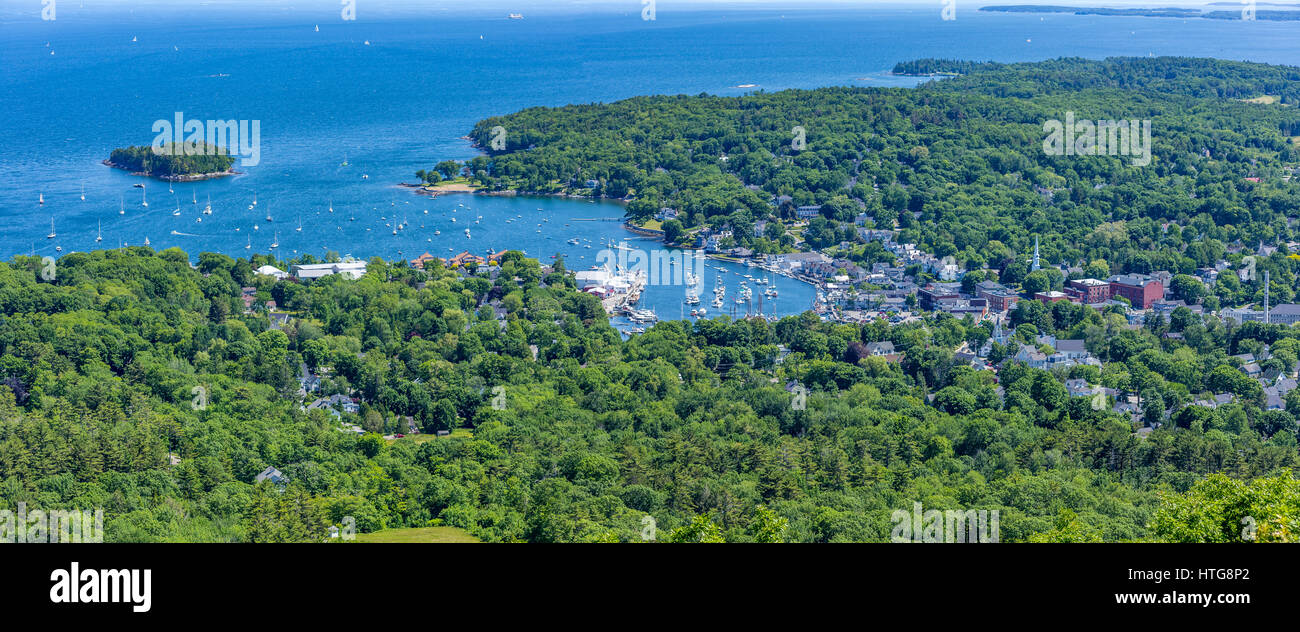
x=196 y=177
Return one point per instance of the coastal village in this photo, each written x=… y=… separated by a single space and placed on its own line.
x=917 y=288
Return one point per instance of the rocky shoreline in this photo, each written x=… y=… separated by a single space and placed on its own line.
x=193 y=177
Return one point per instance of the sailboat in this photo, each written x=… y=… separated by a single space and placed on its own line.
x=331 y=206
x=207 y=210
x=276 y=243
x=52 y=234
x=194 y=197
x=83 y=193
x=121 y=206
x=41 y=200
x=100 y=236
x=146 y=241
x=317 y=28
x=144 y=197
x=300 y=223
x=250 y=244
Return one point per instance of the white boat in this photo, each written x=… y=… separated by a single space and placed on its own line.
x=100 y=236
x=250 y=244
x=52 y=234
x=144 y=197
x=146 y=241
x=121 y=206
x=300 y=223
x=194 y=197
x=276 y=242
x=41 y=199
x=83 y=193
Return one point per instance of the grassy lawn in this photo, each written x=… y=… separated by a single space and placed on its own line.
x=459 y=184
x=463 y=433
x=653 y=224
x=424 y=535
x=1267 y=99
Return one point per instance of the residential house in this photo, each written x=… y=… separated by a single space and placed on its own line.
x=273 y=475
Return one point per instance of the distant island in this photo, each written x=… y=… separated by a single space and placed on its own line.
x=174 y=163
x=938 y=67
x=1163 y=12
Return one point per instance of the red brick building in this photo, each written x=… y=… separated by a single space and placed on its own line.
x=1139 y=289
x=1088 y=290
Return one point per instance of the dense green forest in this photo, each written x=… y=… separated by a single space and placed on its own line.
x=689 y=423
x=957 y=164
x=562 y=431
x=175 y=160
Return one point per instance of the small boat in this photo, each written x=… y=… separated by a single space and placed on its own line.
x=250 y=244
x=41 y=199
x=331 y=206
x=317 y=28
x=300 y=223
x=83 y=193
x=207 y=210
x=194 y=197
x=276 y=242
x=121 y=207
x=52 y=234
x=146 y=241
x=144 y=198
x=100 y=236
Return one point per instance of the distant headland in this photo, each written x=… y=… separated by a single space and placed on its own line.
x=1163 y=12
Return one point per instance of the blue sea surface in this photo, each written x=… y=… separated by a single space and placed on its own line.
x=397 y=89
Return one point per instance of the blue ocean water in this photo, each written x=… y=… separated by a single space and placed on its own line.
x=396 y=90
